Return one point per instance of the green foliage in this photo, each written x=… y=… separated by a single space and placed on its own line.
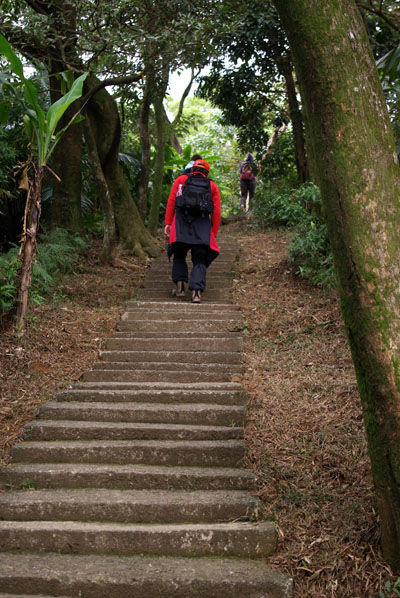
x=277 y=205
x=40 y=126
x=59 y=254
x=9 y=265
x=279 y=165
x=301 y=211
x=390 y=590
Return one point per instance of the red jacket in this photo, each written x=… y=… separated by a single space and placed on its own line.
x=215 y=216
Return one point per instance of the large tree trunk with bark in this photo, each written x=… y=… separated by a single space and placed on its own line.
x=67 y=157
x=107 y=208
x=359 y=179
x=65 y=210
x=104 y=120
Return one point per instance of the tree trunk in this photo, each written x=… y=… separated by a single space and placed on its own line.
x=28 y=251
x=297 y=121
x=104 y=120
x=65 y=209
x=359 y=179
x=159 y=166
x=161 y=126
x=110 y=232
x=285 y=67
x=145 y=146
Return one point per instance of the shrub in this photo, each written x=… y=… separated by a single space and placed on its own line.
x=58 y=254
x=300 y=210
x=310 y=248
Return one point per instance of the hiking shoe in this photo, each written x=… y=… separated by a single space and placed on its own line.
x=196 y=297
x=179 y=290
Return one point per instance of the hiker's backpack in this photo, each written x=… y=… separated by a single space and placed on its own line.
x=195 y=199
x=247 y=172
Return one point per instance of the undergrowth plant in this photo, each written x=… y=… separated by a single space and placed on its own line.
x=301 y=211
x=59 y=254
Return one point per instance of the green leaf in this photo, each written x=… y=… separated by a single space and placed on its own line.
x=57 y=110
x=15 y=63
x=4 y=112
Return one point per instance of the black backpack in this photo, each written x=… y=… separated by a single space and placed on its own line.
x=196 y=199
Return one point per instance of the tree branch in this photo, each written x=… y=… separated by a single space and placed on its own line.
x=112 y=81
x=183 y=98
x=379 y=13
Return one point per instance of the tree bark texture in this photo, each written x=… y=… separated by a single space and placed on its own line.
x=104 y=119
x=110 y=232
x=29 y=244
x=359 y=178
x=297 y=121
x=156 y=196
x=66 y=161
x=285 y=67
x=145 y=146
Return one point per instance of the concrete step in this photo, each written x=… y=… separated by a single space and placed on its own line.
x=206 y=414
x=165 y=357
x=181 y=307
x=129 y=506
x=178 y=396
x=93 y=430
x=211 y=318
x=156 y=386
x=164 y=375
x=239 y=539
x=131 y=332
x=154 y=294
x=141 y=477
x=108 y=576
x=205 y=453
x=175 y=343
x=222 y=368
x=179 y=315
x=218 y=327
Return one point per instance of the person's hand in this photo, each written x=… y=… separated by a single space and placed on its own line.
x=167 y=229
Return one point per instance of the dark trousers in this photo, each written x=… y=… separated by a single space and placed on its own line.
x=179 y=266
x=246 y=186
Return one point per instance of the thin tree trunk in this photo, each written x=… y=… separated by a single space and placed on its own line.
x=359 y=178
x=159 y=166
x=29 y=244
x=145 y=145
x=285 y=68
x=161 y=127
x=297 y=122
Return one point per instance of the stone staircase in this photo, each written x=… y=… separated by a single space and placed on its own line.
x=129 y=483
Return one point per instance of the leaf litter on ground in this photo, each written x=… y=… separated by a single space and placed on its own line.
x=305 y=432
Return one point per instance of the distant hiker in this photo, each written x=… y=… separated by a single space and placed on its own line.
x=192 y=220
x=189 y=165
x=247 y=181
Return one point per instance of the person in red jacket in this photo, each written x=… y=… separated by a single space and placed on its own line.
x=192 y=220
